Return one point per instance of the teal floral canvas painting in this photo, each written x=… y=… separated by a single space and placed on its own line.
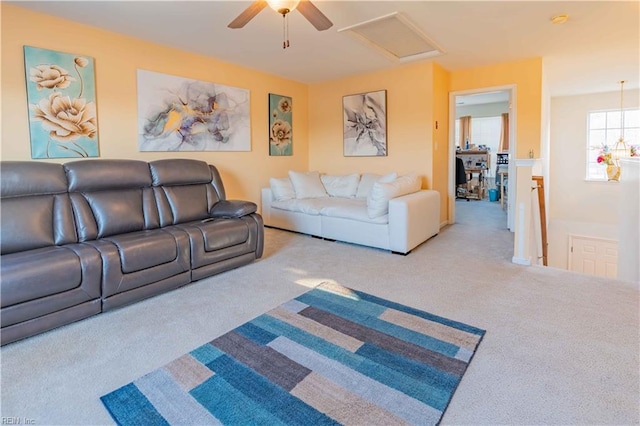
x=181 y=114
x=280 y=125
x=61 y=93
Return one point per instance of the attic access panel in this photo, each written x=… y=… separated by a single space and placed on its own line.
x=396 y=37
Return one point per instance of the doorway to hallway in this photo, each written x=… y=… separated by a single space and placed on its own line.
x=482 y=133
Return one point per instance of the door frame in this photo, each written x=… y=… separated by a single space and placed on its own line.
x=513 y=116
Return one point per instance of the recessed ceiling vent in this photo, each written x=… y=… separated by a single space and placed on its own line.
x=396 y=37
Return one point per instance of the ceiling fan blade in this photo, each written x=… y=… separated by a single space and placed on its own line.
x=314 y=15
x=248 y=14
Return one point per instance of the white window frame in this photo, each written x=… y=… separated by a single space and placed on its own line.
x=611 y=129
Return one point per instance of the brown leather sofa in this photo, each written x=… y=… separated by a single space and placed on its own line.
x=91 y=235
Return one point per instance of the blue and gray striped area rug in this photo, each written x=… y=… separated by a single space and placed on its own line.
x=330 y=356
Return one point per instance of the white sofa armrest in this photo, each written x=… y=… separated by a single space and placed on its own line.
x=413 y=218
x=267 y=198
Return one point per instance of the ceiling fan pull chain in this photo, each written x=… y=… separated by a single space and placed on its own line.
x=287 y=19
x=285 y=31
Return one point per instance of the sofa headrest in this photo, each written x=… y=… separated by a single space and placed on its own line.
x=179 y=171
x=21 y=178
x=98 y=175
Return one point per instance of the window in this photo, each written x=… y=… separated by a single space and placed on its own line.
x=484 y=131
x=604 y=130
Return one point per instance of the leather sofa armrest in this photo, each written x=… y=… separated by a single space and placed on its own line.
x=232 y=208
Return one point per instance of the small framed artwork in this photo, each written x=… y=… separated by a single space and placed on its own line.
x=61 y=92
x=365 y=124
x=280 y=125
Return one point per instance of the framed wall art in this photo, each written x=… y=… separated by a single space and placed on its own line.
x=280 y=125
x=182 y=114
x=61 y=93
x=365 y=124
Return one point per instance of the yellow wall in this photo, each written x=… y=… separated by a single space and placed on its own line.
x=441 y=81
x=409 y=111
x=417 y=97
x=117 y=58
x=527 y=76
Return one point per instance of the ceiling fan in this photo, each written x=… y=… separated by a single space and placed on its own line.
x=283 y=7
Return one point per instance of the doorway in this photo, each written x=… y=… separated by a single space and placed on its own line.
x=485 y=102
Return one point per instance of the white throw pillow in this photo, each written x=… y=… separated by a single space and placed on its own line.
x=381 y=193
x=307 y=185
x=341 y=186
x=368 y=179
x=282 y=189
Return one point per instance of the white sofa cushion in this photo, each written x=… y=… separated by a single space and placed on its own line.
x=311 y=206
x=307 y=185
x=368 y=179
x=381 y=193
x=346 y=208
x=341 y=186
x=352 y=208
x=282 y=189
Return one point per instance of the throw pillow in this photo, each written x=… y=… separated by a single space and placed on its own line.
x=367 y=181
x=282 y=189
x=381 y=193
x=307 y=185
x=341 y=186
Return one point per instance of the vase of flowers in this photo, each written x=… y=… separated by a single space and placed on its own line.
x=613 y=172
x=606 y=158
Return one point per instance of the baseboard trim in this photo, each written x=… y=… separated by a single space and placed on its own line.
x=521 y=261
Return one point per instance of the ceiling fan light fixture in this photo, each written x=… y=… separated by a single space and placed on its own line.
x=283 y=6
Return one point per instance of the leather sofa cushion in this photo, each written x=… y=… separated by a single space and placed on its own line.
x=38 y=273
x=187 y=203
x=101 y=175
x=179 y=171
x=33 y=222
x=144 y=249
x=18 y=178
x=117 y=212
x=222 y=233
x=26 y=223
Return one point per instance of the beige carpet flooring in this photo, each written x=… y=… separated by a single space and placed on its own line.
x=560 y=348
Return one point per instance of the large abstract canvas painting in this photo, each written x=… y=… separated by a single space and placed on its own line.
x=365 y=124
x=181 y=114
x=61 y=93
x=280 y=125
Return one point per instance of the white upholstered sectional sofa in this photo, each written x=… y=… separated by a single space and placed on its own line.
x=386 y=212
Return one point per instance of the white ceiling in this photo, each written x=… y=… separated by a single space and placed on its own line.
x=597 y=47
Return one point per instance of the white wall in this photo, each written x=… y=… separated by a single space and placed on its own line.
x=577 y=206
x=493 y=109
